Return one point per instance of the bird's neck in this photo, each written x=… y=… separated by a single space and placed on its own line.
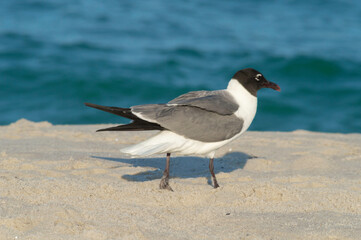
x=246 y=101
x=240 y=93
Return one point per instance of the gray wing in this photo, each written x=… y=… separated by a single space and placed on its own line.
x=192 y=122
x=220 y=102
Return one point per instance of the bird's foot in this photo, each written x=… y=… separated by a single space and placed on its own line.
x=164 y=184
x=215 y=183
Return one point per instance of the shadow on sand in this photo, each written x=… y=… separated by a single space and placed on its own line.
x=182 y=167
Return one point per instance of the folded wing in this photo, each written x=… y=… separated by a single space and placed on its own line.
x=220 y=102
x=203 y=116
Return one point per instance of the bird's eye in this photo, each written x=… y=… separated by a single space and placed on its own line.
x=258 y=77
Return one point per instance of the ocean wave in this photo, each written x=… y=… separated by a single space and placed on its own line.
x=84 y=46
x=311 y=66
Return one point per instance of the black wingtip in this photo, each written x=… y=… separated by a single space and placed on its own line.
x=106 y=129
x=91 y=105
x=137 y=124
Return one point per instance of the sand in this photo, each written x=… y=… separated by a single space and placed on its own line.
x=68 y=182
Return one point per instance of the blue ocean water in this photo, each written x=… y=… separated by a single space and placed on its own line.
x=57 y=54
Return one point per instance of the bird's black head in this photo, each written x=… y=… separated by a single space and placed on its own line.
x=252 y=80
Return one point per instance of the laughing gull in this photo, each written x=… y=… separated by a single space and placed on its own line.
x=197 y=122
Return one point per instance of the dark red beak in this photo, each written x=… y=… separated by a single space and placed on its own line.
x=272 y=85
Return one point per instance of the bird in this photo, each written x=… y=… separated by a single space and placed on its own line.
x=195 y=123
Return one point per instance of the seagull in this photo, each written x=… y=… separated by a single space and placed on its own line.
x=195 y=123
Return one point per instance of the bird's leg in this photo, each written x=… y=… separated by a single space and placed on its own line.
x=211 y=168
x=164 y=182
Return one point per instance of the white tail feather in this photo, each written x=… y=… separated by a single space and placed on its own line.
x=143 y=150
x=157 y=144
x=169 y=142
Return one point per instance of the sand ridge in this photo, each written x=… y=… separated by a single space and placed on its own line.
x=68 y=182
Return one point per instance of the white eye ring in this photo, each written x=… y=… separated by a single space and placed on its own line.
x=258 y=77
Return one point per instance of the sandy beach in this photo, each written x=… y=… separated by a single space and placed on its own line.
x=68 y=182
